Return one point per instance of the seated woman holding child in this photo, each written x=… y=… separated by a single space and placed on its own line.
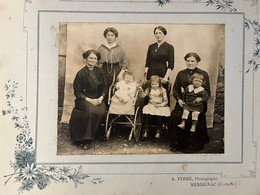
x=186 y=135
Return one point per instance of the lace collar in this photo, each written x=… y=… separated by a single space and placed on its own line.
x=196 y=90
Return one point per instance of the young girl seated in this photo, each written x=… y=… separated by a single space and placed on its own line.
x=194 y=97
x=157 y=106
x=125 y=89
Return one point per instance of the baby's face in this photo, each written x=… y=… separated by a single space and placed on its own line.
x=129 y=79
x=197 y=82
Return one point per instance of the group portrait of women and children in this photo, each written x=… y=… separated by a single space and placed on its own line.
x=109 y=65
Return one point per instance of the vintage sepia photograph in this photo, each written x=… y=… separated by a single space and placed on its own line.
x=124 y=97
x=129 y=88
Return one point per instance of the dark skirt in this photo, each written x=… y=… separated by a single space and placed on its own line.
x=85 y=120
x=109 y=70
x=157 y=68
x=184 y=140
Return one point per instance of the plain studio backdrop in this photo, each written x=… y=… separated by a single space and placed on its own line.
x=208 y=41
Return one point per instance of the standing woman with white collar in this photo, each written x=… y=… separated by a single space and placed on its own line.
x=160 y=57
x=113 y=57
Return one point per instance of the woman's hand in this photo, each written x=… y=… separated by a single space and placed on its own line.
x=100 y=99
x=164 y=81
x=95 y=102
x=181 y=103
x=166 y=76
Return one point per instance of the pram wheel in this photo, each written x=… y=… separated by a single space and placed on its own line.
x=137 y=124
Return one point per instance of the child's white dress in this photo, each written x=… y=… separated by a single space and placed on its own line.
x=125 y=91
x=156 y=97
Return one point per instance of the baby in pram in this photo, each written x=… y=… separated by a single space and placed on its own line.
x=123 y=100
x=125 y=89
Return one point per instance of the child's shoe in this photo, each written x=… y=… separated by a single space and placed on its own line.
x=182 y=125
x=193 y=126
x=145 y=134
x=157 y=135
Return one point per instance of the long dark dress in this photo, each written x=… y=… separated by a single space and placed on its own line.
x=158 y=60
x=85 y=117
x=183 y=139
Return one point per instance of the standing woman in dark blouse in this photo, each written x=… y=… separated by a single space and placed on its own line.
x=160 y=57
x=182 y=139
x=89 y=88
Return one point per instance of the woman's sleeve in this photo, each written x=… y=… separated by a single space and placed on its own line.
x=177 y=88
x=124 y=62
x=78 y=87
x=148 y=58
x=171 y=57
x=207 y=84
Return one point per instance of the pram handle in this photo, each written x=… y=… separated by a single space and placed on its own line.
x=136 y=96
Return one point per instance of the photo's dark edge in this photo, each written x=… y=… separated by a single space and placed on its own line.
x=123 y=12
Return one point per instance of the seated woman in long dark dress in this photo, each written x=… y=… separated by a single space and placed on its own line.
x=184 y=140
x=89 y=88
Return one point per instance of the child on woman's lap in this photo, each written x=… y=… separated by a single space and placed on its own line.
x=194 y=97
x=157 y=107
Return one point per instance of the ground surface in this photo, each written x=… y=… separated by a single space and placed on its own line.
x=119 y=143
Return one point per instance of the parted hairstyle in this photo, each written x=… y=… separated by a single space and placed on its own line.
x=155 y=78
x=88 y=52
x=161 y=28
x=192 y=54
x=110 y=29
